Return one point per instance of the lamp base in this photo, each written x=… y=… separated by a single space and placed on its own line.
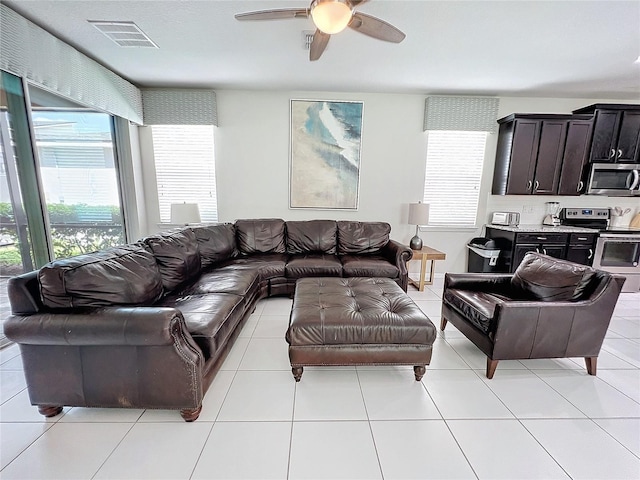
x=415 y=243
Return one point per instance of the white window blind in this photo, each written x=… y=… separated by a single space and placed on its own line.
x=185 y=168
x=452 y=177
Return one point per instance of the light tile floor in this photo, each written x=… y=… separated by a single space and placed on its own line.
x=536 y=419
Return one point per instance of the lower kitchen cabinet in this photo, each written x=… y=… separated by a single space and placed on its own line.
x=515 y=243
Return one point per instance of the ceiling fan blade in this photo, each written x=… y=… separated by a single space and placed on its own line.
x=320 y=40
x=376 y=28
x=277 y=14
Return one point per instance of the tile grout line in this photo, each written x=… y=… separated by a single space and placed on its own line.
x=373 y=438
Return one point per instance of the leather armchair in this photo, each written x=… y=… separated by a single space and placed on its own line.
x=548 y=308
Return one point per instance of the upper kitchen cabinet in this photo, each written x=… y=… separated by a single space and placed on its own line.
x=531 y=153
x=616 y=133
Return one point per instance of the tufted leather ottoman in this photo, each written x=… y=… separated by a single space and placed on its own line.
x=357 y=321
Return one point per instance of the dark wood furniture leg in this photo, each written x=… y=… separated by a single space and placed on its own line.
x=190 y=414
x=297 y=373
x=419 y=371
x=491 y=367
x=49 y=410
x=591 y=364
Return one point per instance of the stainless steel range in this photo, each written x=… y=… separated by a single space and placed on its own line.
x=617 y=249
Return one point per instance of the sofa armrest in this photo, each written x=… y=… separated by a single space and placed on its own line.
x=143 y=326
x=398 y=254
x=485 y=282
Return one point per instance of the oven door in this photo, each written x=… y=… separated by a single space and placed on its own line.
x=617 y=253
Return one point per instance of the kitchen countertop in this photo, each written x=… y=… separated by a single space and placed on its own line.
x=537 y=228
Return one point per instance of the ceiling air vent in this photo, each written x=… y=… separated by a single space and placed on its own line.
x=307 y=39
x=125 y=34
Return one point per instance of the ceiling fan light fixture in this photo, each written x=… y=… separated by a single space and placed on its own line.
x=330 y=16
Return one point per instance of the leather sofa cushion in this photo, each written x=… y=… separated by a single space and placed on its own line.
x=210 y=318
x=260 y=236
x=313 y=236
x=477 y=307
x=116 y=276
x=215 y=243
x=177 y=255
x=549 y=279
x=313 y=265
x=362 y=237
x=368 y=266
x=225 y=280
x=269 y=265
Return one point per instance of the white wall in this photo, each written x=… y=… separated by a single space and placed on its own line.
x=252 y=164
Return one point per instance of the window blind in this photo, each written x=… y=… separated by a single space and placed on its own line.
x=455 y=113
x=453 y=175
x=185 y=168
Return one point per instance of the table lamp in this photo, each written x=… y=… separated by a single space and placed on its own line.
x=185 y=213
x=418 y=215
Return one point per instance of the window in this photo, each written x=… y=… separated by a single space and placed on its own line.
x=185 y=168
x=452 y=177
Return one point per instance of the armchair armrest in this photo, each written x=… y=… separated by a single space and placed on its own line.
x=485 y=282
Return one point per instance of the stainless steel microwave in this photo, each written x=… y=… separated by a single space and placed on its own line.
x=614 y=179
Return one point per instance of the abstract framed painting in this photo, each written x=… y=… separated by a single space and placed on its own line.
x=324 y=166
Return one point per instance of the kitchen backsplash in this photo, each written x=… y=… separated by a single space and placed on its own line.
x=532 y=209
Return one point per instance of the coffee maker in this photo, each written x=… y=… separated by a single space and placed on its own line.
x=552 y=218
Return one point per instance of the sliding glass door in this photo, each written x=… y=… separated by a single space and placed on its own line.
x=78 y=170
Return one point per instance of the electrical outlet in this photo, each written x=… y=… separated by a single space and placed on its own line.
x=528 y=209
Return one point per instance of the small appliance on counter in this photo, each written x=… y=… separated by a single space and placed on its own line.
x=618 y=215
x=505 y=218
x=551 y=218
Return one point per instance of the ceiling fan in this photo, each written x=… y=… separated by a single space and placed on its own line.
x=330 y=17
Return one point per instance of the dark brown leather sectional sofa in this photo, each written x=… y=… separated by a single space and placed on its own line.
x=147 y=325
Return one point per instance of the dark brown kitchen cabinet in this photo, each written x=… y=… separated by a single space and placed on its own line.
x=616 y=133
x=514 y=245
x=574 y=160
x=531 y=153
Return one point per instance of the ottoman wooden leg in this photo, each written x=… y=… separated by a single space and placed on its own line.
x=190 y=414
x=49 y=410
x=419 y=371
x=297 y=373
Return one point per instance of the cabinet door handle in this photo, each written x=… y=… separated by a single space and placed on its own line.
x=529 y=185
x=536 y=185
x=619 y=154
x=541 y=238
x=544 y=250
x=590 y=254
x=613 y=153
x=582 y=238
x=580 y=185
x=537 y=250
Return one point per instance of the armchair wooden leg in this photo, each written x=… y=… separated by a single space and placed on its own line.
x=419 y=371
x=49 y=410
x=190 y=414
x=443 y=323
x=591 y=364
x=491 y=367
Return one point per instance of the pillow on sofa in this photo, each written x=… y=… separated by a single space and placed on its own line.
x=116 y=276
x=362 y=237
x=312 y=236
x=549 y=279
x=260 y=236
x=215 y=242
x=177 y=255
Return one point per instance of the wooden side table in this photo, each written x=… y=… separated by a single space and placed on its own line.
x=427 y=253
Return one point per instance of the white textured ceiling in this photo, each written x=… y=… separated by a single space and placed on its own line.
x=519 y=47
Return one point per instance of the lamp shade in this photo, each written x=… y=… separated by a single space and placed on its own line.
x=418 y=214
x=330 y=16
x=185 y=213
